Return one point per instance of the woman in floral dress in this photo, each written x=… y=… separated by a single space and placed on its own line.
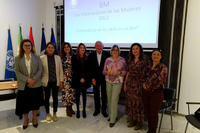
x=68 y=94
x=134 y=107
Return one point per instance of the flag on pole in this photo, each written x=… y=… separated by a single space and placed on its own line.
x=19 y=38
x=53 y=40
x=9 y=69
x=31 y=37
x=43 y=42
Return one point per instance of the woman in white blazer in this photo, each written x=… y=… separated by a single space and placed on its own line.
x=52 y=78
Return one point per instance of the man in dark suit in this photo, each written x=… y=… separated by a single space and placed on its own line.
x=97 y=59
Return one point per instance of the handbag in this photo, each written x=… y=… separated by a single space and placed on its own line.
x=197 y=114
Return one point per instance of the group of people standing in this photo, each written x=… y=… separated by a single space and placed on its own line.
x=74 y=73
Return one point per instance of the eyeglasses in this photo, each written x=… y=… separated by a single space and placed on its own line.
x=27 y=45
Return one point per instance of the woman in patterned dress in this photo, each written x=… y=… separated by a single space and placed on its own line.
x=68 y=94
x=134 y=107
x=152 y=93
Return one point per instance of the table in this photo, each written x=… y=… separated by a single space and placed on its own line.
x=8 y=85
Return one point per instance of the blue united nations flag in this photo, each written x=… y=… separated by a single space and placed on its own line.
x=9 y=68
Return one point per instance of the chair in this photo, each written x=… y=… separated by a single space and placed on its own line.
x=168 y=102
x=191 y=117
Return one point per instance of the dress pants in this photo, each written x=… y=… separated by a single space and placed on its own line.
x=84 y=96
x=113 y=91
x=152 y=101
x=96 y=90
x=51 y=86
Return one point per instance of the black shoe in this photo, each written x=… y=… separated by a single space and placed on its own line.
x=105 y=114
x=78 y=114
x=24 y=127
x=84 y=114
x=95 y=113
x=35 y=125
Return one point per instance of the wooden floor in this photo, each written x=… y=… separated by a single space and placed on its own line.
x=10 y=123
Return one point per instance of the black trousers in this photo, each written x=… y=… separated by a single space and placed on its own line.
x=103 y=104
x=152 y=101
x=51 y=86
x=78 y=93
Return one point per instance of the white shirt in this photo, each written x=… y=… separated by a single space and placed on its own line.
x=99 y=57
x=28 y=63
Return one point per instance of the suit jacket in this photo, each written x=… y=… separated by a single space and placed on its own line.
x=96 y=69
x=45 y=74
x=22 y=72
x=77 y=73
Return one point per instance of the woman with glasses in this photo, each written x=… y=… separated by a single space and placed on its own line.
x=28 y=69
x=114 y=71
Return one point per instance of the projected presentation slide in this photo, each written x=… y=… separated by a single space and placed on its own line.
x=121 y=22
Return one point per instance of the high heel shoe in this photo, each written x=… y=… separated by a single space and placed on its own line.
x=84 y=114
x=35 y=125
x=78 y=114
x=24 y=127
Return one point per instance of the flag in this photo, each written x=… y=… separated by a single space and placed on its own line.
x=31 y=37
x=9 y=69
x=43 y=42
x=53 y=40
x=19 y=38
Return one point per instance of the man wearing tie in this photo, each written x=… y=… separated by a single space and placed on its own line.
x=97 y=59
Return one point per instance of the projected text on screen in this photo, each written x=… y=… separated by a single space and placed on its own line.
x=112 y=22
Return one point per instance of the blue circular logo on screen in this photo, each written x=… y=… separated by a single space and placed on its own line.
x=73 y=3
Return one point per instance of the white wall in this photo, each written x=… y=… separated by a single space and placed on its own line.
x=35 y=12
x=190 y=80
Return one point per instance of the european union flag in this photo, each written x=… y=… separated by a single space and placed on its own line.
x=53 y=40
x=43 y=42
x=9 y=69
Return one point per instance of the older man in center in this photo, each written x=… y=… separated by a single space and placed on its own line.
x=97 y=59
